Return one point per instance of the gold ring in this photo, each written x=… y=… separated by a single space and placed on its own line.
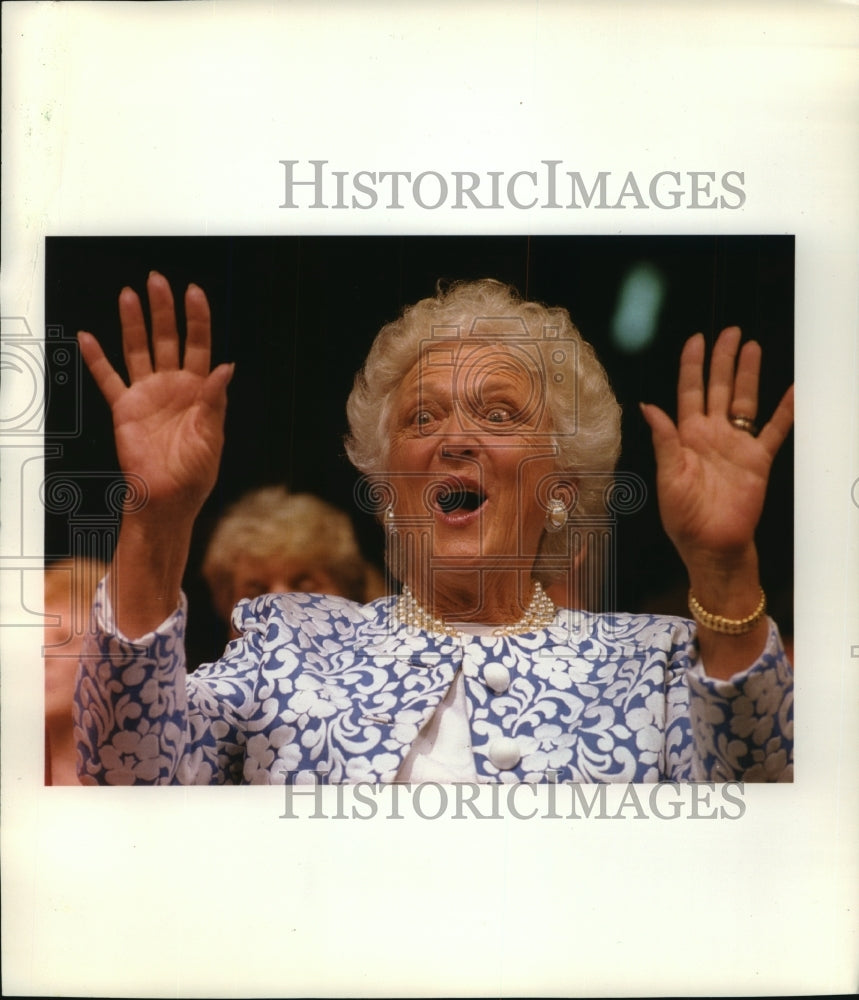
x=744 y=424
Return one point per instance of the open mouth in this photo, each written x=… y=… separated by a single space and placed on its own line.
x=459 y=498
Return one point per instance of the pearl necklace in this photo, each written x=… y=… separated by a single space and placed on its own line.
x=539 y=613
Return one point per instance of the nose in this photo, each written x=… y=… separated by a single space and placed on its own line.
x=461 y=436
x=459 y=447
x=460 y=442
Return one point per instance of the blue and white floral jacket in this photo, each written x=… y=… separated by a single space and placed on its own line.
x=321 y=684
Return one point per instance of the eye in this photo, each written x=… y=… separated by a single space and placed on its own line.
x=499 y=415
x=501 y=412
x=423 y=418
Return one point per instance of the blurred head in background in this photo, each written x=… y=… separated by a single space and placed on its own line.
x=271 y=541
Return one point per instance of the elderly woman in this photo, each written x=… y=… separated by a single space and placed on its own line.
x=485 y=427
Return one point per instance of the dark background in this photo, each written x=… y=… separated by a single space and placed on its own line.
x=298 y=314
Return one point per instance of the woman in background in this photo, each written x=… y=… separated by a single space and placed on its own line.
x=273 y=541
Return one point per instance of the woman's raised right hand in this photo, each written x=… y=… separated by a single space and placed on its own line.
x=169 y=420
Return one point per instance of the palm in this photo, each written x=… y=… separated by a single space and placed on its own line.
x=712 y=477
x=714 y=491
x=166 y=435
x=168 y=422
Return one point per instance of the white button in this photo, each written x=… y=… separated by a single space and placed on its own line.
x=504 y=753
x=497 y=677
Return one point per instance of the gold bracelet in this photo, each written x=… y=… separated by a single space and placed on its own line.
x=728 y=626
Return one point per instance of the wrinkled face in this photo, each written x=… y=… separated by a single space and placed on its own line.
x=470 y=440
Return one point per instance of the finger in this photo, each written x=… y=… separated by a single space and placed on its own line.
x=777 y=429
x=666 y=439
x=135 y=342
x=165 y=336
x=720 y=388
x=198 y=339
x=214 y=392
x=690 y=381
x=745 y=399
x=106 y=378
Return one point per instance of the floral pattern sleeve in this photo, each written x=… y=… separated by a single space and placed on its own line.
x=141 y=720
x=743 y=727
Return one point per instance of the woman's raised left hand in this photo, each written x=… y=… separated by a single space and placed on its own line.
x=712 y=476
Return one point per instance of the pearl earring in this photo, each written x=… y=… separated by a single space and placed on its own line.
x=556 y=515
